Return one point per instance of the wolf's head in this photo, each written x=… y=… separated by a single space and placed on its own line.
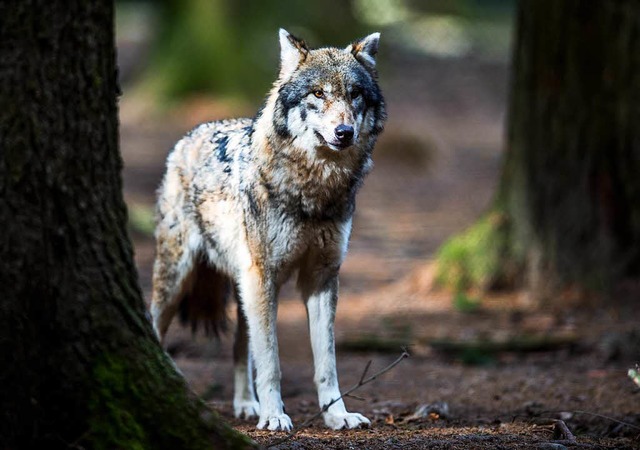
x=328 y=99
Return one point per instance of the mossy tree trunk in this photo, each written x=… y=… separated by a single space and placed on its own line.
x=567 y=211
x=80 y=364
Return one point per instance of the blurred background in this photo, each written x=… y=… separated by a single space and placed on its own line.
x=443 y=69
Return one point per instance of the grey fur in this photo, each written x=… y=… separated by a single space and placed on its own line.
x=258 y=198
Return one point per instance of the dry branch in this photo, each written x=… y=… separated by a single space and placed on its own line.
x=363 y=380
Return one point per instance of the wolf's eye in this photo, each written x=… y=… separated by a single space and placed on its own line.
x=318 y=93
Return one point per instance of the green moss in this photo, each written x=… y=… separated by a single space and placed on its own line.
x=113 y=425
x=475 y=259
x=139 y=402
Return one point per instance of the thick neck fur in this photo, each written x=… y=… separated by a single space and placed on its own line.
x=320 y=183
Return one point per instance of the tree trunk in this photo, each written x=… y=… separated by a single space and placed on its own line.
x=81 y=365
x=567 y=211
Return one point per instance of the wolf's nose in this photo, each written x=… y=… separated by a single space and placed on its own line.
x=344 y=133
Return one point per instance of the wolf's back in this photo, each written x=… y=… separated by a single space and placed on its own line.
x=201 y=164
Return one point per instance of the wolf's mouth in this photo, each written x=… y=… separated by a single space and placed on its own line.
x=332 y=145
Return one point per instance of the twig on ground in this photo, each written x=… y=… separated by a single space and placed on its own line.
x=347 y=393
x=356 y=397
x=630 y=425
x=588 y=413
x=364 y=372
x=561 y=431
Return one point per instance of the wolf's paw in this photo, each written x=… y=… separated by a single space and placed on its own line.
x=346 y=420
x=246 y=409
x=276 y=422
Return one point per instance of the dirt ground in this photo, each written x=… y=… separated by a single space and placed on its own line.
x=499 y=376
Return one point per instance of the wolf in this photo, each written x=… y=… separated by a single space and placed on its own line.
x=246 y=203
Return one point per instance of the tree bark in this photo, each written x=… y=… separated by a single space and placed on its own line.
x=81 y=365
x=567 y=211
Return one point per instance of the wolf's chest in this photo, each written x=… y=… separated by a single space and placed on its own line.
x=287 y=238
x=311 y=201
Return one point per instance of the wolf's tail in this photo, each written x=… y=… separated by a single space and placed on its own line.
x=204 y=303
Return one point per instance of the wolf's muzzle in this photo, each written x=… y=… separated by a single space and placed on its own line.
x=344 y=134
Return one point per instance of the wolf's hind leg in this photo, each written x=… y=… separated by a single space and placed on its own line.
x=245 y=403
x=171 y=276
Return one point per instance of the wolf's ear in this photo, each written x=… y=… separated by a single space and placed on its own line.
x=365 y=50
x=292 y=52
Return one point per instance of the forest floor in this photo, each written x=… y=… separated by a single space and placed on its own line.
x=499 y=375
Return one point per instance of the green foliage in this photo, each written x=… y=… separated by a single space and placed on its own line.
x=231 y=48
x=634 y=374
x=475 y=258
x=463 y=303
x=141 y=218
x=196 y=50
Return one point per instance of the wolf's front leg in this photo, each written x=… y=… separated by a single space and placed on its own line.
x=321 y=309
x=258 y=296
